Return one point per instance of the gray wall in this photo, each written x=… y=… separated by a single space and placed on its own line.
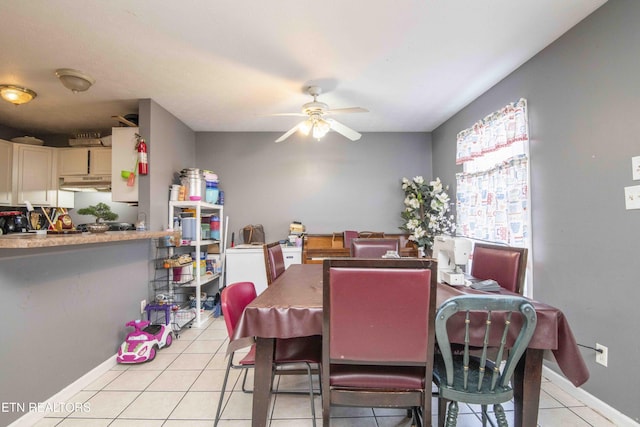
x=583 y=94
x=64 y=312
x=331 y=185
x=171 y=146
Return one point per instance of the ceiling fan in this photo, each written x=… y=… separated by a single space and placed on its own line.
x=317 y=121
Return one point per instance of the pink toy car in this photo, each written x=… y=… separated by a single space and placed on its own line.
x=141 y=345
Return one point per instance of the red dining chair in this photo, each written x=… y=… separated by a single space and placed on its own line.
x=504 y=264
x=273 y=261
x=373 y=248
x=378 y=334
x=348 y=236
x=305 y=351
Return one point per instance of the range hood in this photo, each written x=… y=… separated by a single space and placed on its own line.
x=85 y=183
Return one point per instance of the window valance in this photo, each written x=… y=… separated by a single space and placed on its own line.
x=499 y=129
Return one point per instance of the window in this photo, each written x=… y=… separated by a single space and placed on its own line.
x=492 y=191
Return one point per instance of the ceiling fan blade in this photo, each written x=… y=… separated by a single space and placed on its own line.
x=344 y=130
x=347 y=110
x=289 y=132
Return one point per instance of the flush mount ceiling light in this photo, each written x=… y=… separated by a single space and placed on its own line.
x=16 y=95
x=75 y=80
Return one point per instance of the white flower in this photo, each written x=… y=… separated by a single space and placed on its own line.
x=437 y=185
x=419 y=232
x=425 y=210
x=443 y=198
x=413 y=223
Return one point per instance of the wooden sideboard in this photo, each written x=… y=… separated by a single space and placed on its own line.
x=317 y=247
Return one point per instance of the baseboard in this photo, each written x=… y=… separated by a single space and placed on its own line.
x=65 y=395
x=615 y=416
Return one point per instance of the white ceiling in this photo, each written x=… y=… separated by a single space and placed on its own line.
x=224 y=65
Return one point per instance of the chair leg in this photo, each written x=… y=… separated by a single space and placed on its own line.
x=484 y=415
x=452 y=414
x=244 y=382
x=416 y=416
x=224 y=386
x=326 y=407
x=500 y=415
x=313 y=406
x=442 y=411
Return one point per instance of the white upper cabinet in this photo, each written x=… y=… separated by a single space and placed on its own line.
x=84 y=161
x=6 y=167
x=33 y=175
x=100 y=161
x=123 y=158
x=28 y=172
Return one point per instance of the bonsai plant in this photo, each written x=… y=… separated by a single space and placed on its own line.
x=101 y=211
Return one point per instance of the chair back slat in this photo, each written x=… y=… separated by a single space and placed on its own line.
x=488 y=309
x=467 y=323
x=500 y=353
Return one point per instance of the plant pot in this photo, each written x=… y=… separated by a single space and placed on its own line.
x=97 y=228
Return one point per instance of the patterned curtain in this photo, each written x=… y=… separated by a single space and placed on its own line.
x=500 y=129
x=492 y=193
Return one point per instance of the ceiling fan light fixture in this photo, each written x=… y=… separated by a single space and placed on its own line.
x=320 y=129
x=305 y=127
x=16 y=95
x=75 y=80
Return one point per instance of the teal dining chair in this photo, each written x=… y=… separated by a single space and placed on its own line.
x=463 y=377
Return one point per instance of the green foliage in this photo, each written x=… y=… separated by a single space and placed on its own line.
x=426 y=210
x=101 y=211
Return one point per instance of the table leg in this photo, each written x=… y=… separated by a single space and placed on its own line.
x=526 y=387
x=262 y=381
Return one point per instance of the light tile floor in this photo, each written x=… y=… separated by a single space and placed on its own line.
x=181 y=388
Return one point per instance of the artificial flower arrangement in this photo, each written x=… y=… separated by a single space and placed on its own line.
x=426 y=211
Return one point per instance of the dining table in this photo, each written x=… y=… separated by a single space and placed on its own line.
x=292 y=307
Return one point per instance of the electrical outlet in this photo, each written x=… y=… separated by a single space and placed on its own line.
x=602 y=356
x=143 y=304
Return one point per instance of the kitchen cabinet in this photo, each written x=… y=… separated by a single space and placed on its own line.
x=84 y=160
x=177 y=283
x=245 y=263
x=123 y=158
x=28 y=172
x=6 y=167
x=33 y=175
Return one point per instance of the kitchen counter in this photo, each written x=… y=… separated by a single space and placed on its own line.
x=31 y=240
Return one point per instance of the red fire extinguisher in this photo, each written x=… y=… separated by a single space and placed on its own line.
x=143 y=160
